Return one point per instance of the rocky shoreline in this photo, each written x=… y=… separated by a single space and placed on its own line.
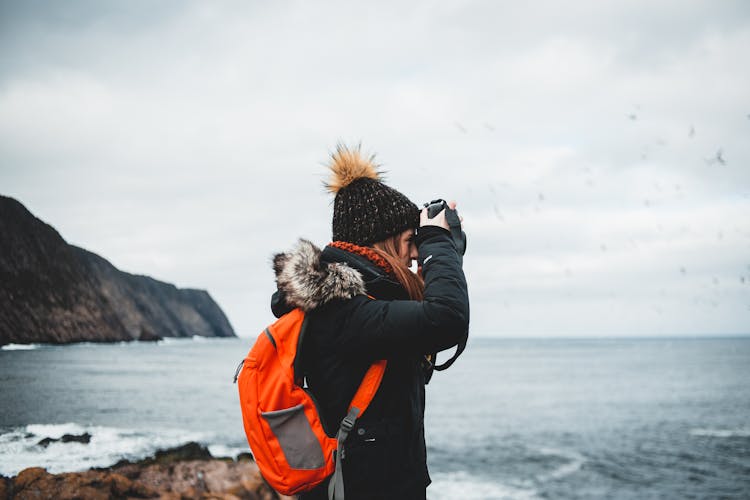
x=185 y=472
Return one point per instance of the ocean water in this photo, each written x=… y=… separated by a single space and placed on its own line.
x=512 y=419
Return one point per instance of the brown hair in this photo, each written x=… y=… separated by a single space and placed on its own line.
x=413 y=283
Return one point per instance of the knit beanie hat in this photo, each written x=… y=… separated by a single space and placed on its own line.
x=365 y=210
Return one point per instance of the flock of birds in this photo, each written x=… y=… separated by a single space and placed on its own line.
x=716 y=159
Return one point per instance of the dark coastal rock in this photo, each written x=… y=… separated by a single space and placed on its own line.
x=53 y=292
x=84 y=438
x=46 y=442
x=189 y=451
x=76 y=438
x=148 y=336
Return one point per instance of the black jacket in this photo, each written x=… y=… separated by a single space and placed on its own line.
x=347 y=331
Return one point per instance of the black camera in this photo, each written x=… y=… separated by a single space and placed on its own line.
x=435 y=207
x=454 y=222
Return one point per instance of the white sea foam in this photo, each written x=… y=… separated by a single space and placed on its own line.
x=176 y=341
x=574 y=463
x=54 y=431
x=169 y=341
x=19 y=347
x=721 y=433
x=182 y=340
x=461 y=484
x=220 y=450
x=20 y=448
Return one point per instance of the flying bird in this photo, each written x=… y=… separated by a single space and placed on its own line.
x=717 y=158
x=498 y=214
x=633 y=116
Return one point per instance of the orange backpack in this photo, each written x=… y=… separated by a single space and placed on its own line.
x=282 y=424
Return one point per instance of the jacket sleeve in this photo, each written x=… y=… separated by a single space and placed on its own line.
x=381 y=328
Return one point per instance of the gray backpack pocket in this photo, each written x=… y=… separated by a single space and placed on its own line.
x=296 y=438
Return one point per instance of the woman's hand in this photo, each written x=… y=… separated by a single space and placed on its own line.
x=438 y=220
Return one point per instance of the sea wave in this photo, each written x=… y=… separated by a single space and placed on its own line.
x=572 y=463
x=20 y=347
x=461 y=484
x=721 y=433
x=20 y=447
x=171 y=341
x=222 y=450
x=186 y=340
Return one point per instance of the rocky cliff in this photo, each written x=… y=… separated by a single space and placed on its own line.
x=54 y=292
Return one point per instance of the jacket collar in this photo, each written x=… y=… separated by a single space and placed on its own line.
x=307 y=283
x=307 y=277
x=379 y=283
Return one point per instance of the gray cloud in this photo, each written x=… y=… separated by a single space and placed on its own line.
x=185 y=140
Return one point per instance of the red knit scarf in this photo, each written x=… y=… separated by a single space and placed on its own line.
x=366 y=252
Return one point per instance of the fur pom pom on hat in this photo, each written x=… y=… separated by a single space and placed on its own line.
x=365 y=210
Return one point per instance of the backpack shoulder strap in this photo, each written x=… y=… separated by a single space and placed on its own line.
x=368 y=387
x=360 y=402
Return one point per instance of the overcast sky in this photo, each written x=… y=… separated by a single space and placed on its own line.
x=599 y=151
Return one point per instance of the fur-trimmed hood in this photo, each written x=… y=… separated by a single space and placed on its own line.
x=307 y=282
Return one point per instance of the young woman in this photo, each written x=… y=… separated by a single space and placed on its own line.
x=377 y=233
